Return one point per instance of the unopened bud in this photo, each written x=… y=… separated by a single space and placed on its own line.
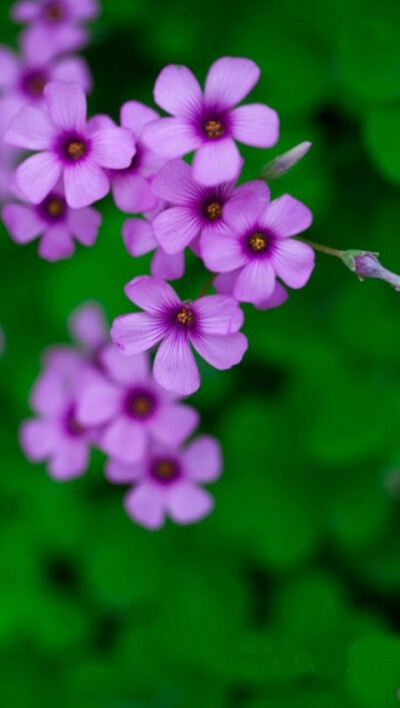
x=281 y=164
x=366 y=265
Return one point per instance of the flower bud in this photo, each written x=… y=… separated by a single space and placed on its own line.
x=281 y=164
x=366 y=265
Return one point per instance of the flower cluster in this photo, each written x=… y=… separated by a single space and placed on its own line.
x=178 y=177
x=90 y=395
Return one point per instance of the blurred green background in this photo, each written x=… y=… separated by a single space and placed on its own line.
x=288 y=596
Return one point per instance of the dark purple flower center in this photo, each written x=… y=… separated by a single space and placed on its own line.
x=54 y=11
x=185 y=317
x=74 y=147
x=214 y=128
x=165 y=470
x=72 y=425
x=33 y=83
x=258 y=242
x=53 y=208
x=212 y=209
x=140 y=404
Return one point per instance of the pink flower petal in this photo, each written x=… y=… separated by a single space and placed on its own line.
x=45 y=42
x=171 y=137
x=136 y=115
x=113 y=148
x=178 y=92
x=71 y=460
x=119 y=473
x=187 y=503
x=173 y=423
x=293 y=262
x=38 y=439
x=22 y=222
x=31 y=129
x=145 y=505
x=136 y=332
x=84 y=184
x=99 y=402
x=151 y=294
x=83 y=9
x=222 y=352
x=166 y=266
x=138 y=237
x=229 y=80
x=125 y=440
x=84 y=224
x=217 y=162
x=56 y=244
x=175 y=228
x=278 y=297
x=255 y=282
x=175 y=368
x=9 y=68
x=255 y=124
x=245 y=210
x=123 y=369
x=66 y=102
x=132 y=193
x=218 y=314
x=202 y=459
x=73 y=69
x=286 y=217
x=88 y=326
x=221 y=252
x=38 y=175
x=224 y=283
x=176 y=185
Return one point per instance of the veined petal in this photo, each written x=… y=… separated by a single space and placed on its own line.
x=177 y=91
x=218 y=314
x=113 y=148
x=85 y=183
x=175 y=228
x=175 y=368
x=255 y=124
x=222 y=252
x=229 y=80
x=293 y=262
x=221 y=351
x=135 y=115
x=286 y=216
x=216 y=162
x=151 y=294
x=175 y=183
x=171 y=137
x=38 y=175
x=31 y=129
x=66 y=102
x=136 y=332
x=138 y=237
x=255 y=282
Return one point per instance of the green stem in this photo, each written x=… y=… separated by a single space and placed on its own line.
x=324 y=249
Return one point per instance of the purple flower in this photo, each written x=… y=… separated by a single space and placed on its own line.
x=131 y=409
x=131 y=186
x=366 y=265
x=54 y=26
x=224 y=283
x=256 y=244
x=23 y=79
x=139 y=239
x=56 y=224
x=68 y=148
x=167 y=483
x=55 y=435
x=209 y=124
x=195 y=209
x=210 y=324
